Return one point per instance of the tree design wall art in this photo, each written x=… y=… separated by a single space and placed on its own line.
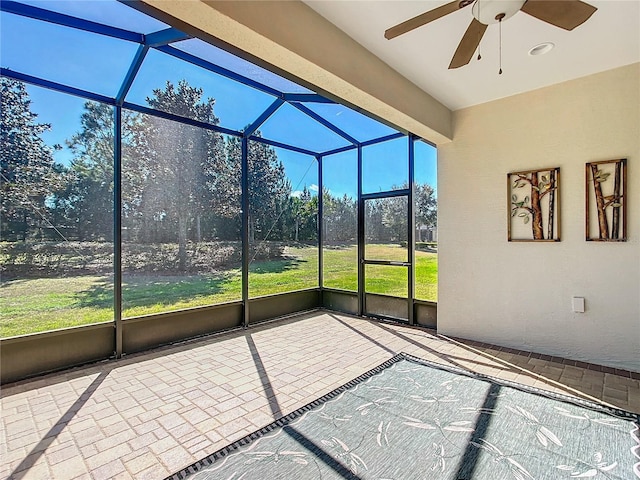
x=606 y=204
x=534 y=205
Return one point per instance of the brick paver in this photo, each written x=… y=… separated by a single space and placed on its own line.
x=149 y=415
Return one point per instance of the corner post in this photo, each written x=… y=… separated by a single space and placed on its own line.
x=411 y=231
x=245 y=230
x=117 y=228
x=320 y=226
x=361 y=239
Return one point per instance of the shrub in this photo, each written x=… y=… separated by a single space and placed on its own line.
x=37 y=259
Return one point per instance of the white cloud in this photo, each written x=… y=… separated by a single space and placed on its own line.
x=312 y=188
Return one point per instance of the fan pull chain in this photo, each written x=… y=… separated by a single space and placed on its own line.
x=500 y=17
x=479 y=38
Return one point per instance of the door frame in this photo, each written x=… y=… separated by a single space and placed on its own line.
x=409 y=193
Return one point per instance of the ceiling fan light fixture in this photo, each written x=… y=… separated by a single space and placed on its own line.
x=541 y=49
x=488 y=11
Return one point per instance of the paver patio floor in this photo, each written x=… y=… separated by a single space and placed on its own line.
x=149 y=415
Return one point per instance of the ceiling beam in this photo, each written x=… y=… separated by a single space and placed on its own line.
x=284 y=36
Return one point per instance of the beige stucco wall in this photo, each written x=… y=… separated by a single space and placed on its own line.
x=519 y=294
x=291 y=37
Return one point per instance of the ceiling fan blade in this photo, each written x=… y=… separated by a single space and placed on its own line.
x=567 y=14
x=423 y=19
x=468 y=44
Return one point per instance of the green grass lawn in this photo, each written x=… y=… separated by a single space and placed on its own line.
x=341 y=271
x=35 y=305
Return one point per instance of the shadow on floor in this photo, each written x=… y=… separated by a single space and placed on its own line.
x=36 y=452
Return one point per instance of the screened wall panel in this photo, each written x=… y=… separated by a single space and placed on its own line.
x=109 y=12
x=179 y=187
x=426 y=210
x=235 y=64
x=387 y=280
x=236 y=104
x=353 y=123
x=386 y=229
x=56 y=251
x=87 y=61
x=283 y=229
x=385 y=166
x=181 y=216
x=340 y=208
x=292 y=127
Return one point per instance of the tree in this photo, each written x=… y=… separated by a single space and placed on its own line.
x=375 y=229
x=28 y=174
x=304 y=211
x=340 y=218
x=269 y=188
x=182 y=159
x=386 y=218
x=86 y=200
x=426 y=211
x=394 y=218
x=88 y=197
x=223 y=181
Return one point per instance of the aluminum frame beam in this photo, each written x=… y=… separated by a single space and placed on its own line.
x=58 y=87
x=386 y=138
x=411 y=231
x=318 y=118
x=117 y=229
x=177 y=118
x=305 y=98
x=139 y=57
x=264 y=116
x=161 y=41
x=389 y=263
x=339 y=150
x=49 y=16
x=212 y=67
x=164 y=37
x=388 y=194
x=273 y=143
x=244 y=188
x=320 y=220
x=361 y=239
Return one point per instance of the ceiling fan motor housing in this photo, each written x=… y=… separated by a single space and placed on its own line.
x=493 y=11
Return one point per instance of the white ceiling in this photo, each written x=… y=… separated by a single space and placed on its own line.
x=609 y=39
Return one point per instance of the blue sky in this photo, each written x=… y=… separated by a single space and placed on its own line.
x=98 y=63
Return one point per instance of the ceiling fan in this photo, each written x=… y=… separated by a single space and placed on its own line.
x=566 y=14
